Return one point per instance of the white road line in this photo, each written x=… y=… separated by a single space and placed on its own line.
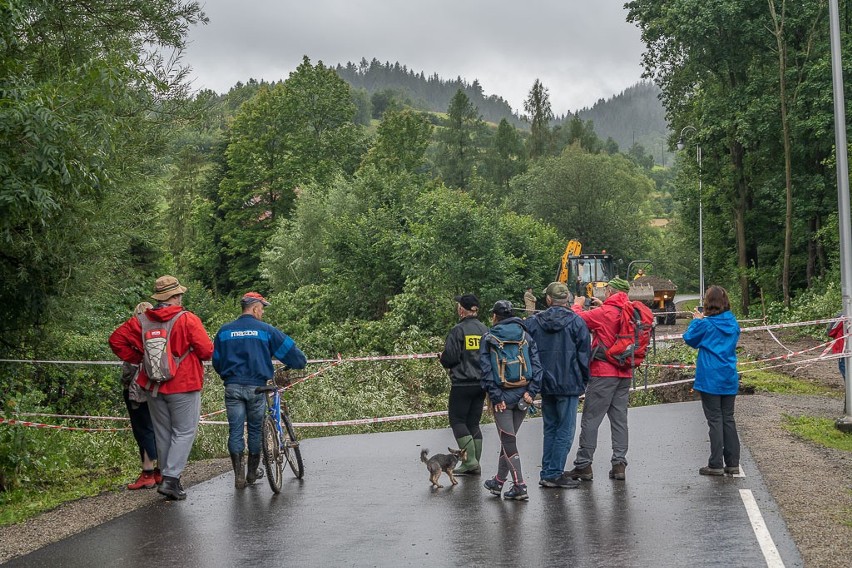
x=740 y=474
x=764 y=539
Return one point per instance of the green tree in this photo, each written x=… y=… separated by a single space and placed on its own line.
x=760 y=92
x=602 y=200
x=289 y=135
x=539 y=114
x=459 y=141
x=84 y=95
x=504 y=158
x=403 y=137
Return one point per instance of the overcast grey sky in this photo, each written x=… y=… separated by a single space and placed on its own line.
x=582 y=50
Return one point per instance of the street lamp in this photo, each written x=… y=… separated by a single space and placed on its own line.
x=680 y=146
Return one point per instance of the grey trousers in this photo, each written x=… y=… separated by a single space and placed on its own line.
x=604 y=396
x=175 y=418
x=508 y=423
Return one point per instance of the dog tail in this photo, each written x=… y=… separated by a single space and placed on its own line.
x=423 y=455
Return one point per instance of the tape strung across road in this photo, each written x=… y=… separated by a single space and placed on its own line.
x=204 y=419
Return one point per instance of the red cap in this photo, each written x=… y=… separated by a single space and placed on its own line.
x=252 y=297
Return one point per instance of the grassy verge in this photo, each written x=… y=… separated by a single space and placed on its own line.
x=820 y=431
x=23 y=503
x=767 y=381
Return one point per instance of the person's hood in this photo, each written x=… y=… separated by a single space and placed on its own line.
x=164 y=313
x=555 y=319
x=511 y=329
x=619 y=300
x=725 y=323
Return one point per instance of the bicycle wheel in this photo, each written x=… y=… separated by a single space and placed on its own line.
x=272 y=458
x=291 y=447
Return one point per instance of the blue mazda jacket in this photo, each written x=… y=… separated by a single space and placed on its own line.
x=244 y=348
x=716 y=338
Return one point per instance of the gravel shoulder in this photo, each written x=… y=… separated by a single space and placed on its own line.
x=811 y=485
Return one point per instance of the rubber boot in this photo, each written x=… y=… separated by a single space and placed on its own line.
x=477 y=442
x=253 y=471
x=239 y=470
x=470 y=466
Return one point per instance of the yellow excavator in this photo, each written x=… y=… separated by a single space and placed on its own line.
x=587 y=275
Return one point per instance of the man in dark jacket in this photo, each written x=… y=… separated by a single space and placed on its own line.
x=242 y=355
x=565 y=351
x=461 y=358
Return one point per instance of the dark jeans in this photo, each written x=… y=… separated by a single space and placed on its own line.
x=244 y=407
x=724 y=441
x=465 y=410
x=143 y=429
x=559 y=417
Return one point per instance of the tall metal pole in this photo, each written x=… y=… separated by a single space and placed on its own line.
x=844 y=423
x=681 y=144
x=700 y=234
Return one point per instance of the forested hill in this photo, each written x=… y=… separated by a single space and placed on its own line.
x=429 y=93
x=635 y=115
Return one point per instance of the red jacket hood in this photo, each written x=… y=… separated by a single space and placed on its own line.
x=619 y=300
x=165 y=313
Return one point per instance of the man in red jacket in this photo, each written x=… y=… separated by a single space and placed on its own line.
x=609 y=387
x=176 y=405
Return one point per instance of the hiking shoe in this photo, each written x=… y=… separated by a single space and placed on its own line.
x=712 y=471
x=146 y=480
x=517 y=493
x=158 y=476
x=472 y=471
x=172 y=489
x=494 y=486
x=732 y=470
x=567 y=482
x=584 y=473
x=617 y=471
x=549 y=482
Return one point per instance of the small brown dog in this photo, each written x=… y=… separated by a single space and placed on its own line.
x=442 y=462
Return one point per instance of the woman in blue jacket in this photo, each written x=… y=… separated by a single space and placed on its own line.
x=715 y=333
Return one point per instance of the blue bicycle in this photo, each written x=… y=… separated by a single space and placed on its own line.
x=279 y=438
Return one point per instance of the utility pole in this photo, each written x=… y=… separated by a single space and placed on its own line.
x=844 y=423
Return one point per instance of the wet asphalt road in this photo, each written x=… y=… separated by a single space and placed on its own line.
x=366 y=501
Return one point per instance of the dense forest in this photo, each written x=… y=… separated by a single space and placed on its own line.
x=634 y=116
x=363 y=205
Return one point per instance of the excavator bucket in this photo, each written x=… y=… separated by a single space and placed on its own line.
x=641 y=292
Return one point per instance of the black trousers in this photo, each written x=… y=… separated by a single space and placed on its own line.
x=465 y=410
x=724 y=441
x=143 y=428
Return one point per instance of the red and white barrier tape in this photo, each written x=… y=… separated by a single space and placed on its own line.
x=13 y=422
x=826 y=345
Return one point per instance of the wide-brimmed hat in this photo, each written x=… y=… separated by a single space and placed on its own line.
x=165 y=287
x=467 y=301
x=619 y=284
x=252 y=297
x=557 y=291
x=503 y=308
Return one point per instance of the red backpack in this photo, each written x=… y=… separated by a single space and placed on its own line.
x=631 y=339
x=159 y=362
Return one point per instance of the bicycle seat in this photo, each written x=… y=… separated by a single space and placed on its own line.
x=265 y=388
